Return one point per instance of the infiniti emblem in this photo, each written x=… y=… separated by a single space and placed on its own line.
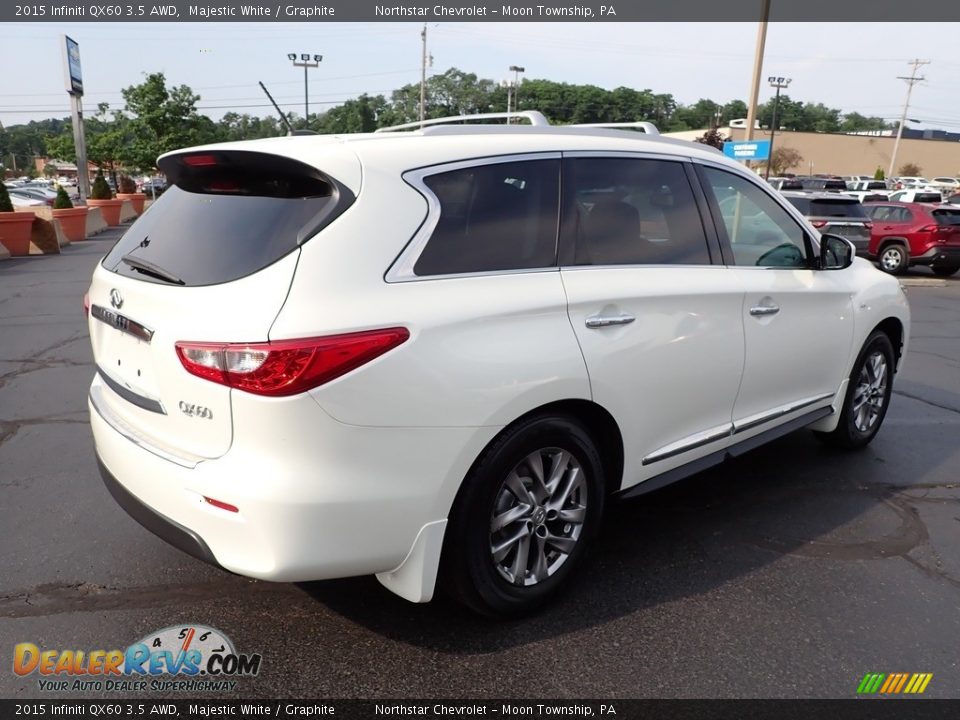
x=116 y=299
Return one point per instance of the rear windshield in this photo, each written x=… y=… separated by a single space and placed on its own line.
x=223 y=228
x=927 y=197
x=828 y=207
x=947 y=217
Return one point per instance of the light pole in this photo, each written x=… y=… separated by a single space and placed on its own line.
x=778 y=83
x=306 y=61
x=516 y=70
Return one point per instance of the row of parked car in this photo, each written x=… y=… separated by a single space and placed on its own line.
x=912 y=226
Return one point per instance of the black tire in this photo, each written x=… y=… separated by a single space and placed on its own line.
x=945 y=270
x=894 y=259
x=856 y=430
x=471 y=571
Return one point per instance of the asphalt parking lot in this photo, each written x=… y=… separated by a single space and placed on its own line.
x=790 y=572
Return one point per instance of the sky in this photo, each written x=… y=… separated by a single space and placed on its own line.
x=851 y=66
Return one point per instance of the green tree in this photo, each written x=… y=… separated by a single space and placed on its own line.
x=855 y=122
x=364 y=114
x=161 y=119
x=879 y=174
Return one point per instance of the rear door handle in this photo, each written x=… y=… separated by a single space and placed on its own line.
x=601 y=321
x=761 y=310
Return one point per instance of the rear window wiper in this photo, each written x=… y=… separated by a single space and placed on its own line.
x=148 y=268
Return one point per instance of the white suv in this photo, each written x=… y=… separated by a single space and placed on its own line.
x=441 y=351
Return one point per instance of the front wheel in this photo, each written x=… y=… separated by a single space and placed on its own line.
x=524 y=517
x=868 y=395
x=894 y=259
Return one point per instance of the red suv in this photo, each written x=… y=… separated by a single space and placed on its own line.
x=906 y=234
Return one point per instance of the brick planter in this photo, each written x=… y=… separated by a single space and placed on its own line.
x=109 y=208
x=15 y=231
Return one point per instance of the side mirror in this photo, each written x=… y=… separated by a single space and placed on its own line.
x=836 y=253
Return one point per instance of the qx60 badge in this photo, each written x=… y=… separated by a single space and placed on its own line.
x=196 y=410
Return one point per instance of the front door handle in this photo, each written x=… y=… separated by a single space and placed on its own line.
x=600 y=321
x=761 y=310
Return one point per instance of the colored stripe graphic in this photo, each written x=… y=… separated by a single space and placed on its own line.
x=903 y=680
x=894 y=683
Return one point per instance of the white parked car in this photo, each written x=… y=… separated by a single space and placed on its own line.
x=921 y=195
x=946 y=184
x=442 y=351
x=24 y=202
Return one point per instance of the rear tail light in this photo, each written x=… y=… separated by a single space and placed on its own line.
x=287 y=367
x=868 y=225
x=818 y=223
x=86 y=304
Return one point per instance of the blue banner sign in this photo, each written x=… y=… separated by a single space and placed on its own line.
x=752 y=150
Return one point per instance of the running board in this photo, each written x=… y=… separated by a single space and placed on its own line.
x=715 y=458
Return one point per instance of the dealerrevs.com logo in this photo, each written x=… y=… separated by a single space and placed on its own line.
x=188 y=658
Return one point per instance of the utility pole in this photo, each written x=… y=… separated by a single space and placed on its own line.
x=911 y=81
x=757 y=68
x=423 y=74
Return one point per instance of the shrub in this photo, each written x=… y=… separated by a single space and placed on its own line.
x=63 y=200
x=127 y=185
x=879 y=174
x=910 y=169
x=100 y=189
x=6 y=204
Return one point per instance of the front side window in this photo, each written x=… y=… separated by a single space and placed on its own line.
x=632 y=211
x=493 y=217
x=760 y=232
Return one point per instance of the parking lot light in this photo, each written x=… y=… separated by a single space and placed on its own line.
x=778 y=83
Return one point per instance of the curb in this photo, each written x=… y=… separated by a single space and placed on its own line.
x=923 y=282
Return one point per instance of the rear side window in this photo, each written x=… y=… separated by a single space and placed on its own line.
x=501 y=216
x=947 y=217
x=626 y=211
x=225 y=218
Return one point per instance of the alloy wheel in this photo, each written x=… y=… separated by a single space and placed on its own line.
x=870 y=393
x=538 y=516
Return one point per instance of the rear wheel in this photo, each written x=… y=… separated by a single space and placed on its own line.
x=868 y=395
x=894 y=259
x=945 y=270
x=524 y=517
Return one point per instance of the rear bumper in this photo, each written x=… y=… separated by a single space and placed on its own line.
x=163 y=527
x=316 y=498
x=938 y=255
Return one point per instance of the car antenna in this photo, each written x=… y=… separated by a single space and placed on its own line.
x=290 y=130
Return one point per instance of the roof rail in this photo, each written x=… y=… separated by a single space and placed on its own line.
x=534 y=116
x=647 y=127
